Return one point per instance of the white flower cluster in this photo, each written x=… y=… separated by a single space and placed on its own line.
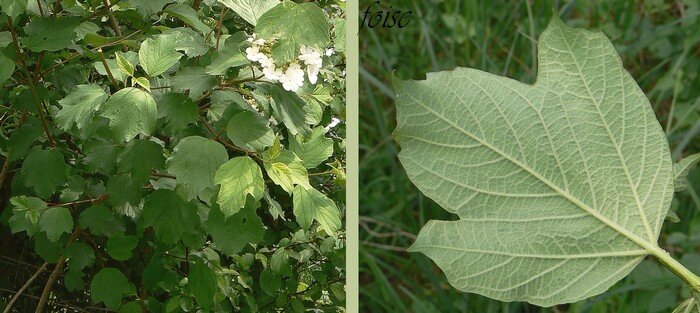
x=291 y=76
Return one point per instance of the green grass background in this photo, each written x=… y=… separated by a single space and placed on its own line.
x=659 y=45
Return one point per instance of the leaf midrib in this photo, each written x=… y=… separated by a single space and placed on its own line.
x=652 y=248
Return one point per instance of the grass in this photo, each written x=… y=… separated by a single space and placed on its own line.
x=659 y=45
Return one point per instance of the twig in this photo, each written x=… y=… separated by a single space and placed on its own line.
x=54 y=275
x=3 y=172
x=26 y=284
x=163 y=175
x=109 y=71
x=112 y=20
x=41 y=9
x=77 y=54
x=32 y=87
x=86 y=201
x=224 y=10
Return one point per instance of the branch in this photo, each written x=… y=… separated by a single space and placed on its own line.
x=32 y=87
x=90 y=201
x=3 y=172
x=112 y=20
x=26 y=284
x=109 y=71
x=54 y=275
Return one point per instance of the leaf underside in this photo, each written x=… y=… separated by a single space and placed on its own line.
x=561 y=187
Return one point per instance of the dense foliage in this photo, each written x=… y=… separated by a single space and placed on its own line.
x=172 y=155
x=658 y=43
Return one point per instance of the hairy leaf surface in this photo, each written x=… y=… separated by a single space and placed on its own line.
x=561 y=187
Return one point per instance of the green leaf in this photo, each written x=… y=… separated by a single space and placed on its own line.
x=178 y=111
x=194 y=162
x=56 y=221
x=250 y=130
x=109 y=286
x=188 y=41
x=120 y=246
x=224 y=59
x=79 y=256
x=13 y=8
x=148 y=7
x=310 y=204
x=286 y=170
x=239 y=177
x=288 y=108
x=690 y=305
x=131 y=111
x=99 y=156
x=49 y=34
x=681 y=170
x=295 y=25
x=270 y=282
x=553 y=198
x=7 y=67
x=124 y=65
x=130 y=56
x=100 y=220
x=140 y=158
x=44 y=171
x=158 y=55
x=202 y=284
x=79 y=106
x=250 y=10
x=313 y=149
x=194 y=80
x=73 y=281
x=47 y=249
x=248 y=227
x=188 y=15
x=143 y=82
x=172 y=217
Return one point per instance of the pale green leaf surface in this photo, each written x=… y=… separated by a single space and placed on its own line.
x=310 y=204
x=313 y=149
x=56 y=221
x=681 y=170
x=250 y=10
x=287 y=171
x=157 y=55
x=290 y=109
x=194 y=162
x=78 y=107
x=561 y=187
x=239 y=177
x=250 y=130
x=131 y=111
x=124 y=65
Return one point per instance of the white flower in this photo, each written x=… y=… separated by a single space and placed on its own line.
x=312 y=70
x=334 y=122
x=293 y=77
x=253 y=53
x=310 y=56
x=271 y=73
x=329 y=52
